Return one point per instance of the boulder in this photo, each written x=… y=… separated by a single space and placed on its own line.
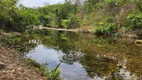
x=2 y=65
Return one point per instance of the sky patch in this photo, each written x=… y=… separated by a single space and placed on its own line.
x=38 y=3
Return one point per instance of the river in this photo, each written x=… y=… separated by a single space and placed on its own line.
x=87 y=57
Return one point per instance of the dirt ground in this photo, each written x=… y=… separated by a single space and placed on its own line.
x=15 y=68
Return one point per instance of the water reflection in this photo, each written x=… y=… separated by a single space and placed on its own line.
x=53 y=57
x=86 y=57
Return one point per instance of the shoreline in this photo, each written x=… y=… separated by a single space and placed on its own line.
x=77 y=30
x=16 y=67
x=91 y=31
x=61 y=29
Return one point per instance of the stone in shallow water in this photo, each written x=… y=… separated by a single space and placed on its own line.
x=2 y=65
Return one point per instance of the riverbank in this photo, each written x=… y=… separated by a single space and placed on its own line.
x=83 y=30
x=90 y=30
x=13 y=66
x=16 y=67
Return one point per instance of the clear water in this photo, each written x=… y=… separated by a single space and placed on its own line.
x=87 y=57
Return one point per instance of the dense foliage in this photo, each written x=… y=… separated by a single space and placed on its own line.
x=104 y=16
x=8 y=11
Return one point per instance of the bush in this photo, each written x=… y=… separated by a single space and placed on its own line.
x=110 y=27
x=105 y=28
x=99 y=29
x=45 y=20
x=64 y=23
x=134 y=20
x=73 y=22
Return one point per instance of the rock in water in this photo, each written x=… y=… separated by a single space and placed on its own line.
x=2 y=65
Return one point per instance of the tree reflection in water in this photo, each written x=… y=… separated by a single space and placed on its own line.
x=71 y=57
x=99 y=56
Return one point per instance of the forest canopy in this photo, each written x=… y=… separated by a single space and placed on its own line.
x=104 y=16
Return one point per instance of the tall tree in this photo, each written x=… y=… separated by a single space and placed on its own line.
x=8 y=11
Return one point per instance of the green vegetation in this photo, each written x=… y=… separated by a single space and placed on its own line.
x=50 y=74
x=134 y=20
x=104 y=16
x=14 y=42
x=101 y=55
x=8 y=13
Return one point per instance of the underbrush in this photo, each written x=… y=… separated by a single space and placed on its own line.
x=134 y=20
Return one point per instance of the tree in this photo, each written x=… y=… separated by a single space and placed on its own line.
x=91 y=5
x=8 y=11
x=138 y=4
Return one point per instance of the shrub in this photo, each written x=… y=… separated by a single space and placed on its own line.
x=99 y=28
x=45 y=20
x=110 y=27
x=134 y=20
x=105 y=28
x=73 y=22
x=64 y=23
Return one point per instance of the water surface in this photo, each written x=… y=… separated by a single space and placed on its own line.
x=87 y=57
